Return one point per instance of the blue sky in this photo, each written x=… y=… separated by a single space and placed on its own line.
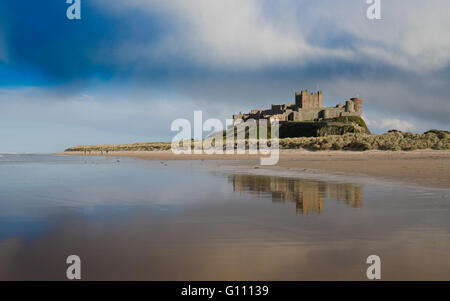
x=127 y=69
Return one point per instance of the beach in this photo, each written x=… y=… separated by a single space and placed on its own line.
x=428 y=168
x=128 y=219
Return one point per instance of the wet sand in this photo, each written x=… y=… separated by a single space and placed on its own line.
x=191 y=220
x=428 y=168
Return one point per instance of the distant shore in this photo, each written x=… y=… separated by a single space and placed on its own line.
x=430 y=168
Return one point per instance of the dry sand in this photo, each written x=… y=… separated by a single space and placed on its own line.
x=429 y=168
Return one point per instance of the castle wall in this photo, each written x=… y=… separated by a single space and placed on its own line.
x=308 y=114
x=349 y=106
x=317 y=113
x=338 y=111
x=332 y=112
x=277 y=109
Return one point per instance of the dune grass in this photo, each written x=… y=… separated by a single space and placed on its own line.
x=392 y=140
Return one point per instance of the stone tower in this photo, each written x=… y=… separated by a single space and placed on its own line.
x=357 y=105
x=307 y=100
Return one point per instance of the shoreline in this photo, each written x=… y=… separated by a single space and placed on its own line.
x=428 y=168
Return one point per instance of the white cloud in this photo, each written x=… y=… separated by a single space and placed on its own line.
x=229 y=34
x=257 y=33
x=392 y=123
x=401 y=125
x=412 y=34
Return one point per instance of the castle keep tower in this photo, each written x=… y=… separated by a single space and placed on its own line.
x=305 y=100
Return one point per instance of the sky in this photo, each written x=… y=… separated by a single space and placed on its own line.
x=127 y=69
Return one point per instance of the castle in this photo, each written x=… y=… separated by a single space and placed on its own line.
x=307 y=107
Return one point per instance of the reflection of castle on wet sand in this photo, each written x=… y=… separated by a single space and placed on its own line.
x=307 y=194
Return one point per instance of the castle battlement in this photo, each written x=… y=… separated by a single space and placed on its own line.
x=307 y=107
